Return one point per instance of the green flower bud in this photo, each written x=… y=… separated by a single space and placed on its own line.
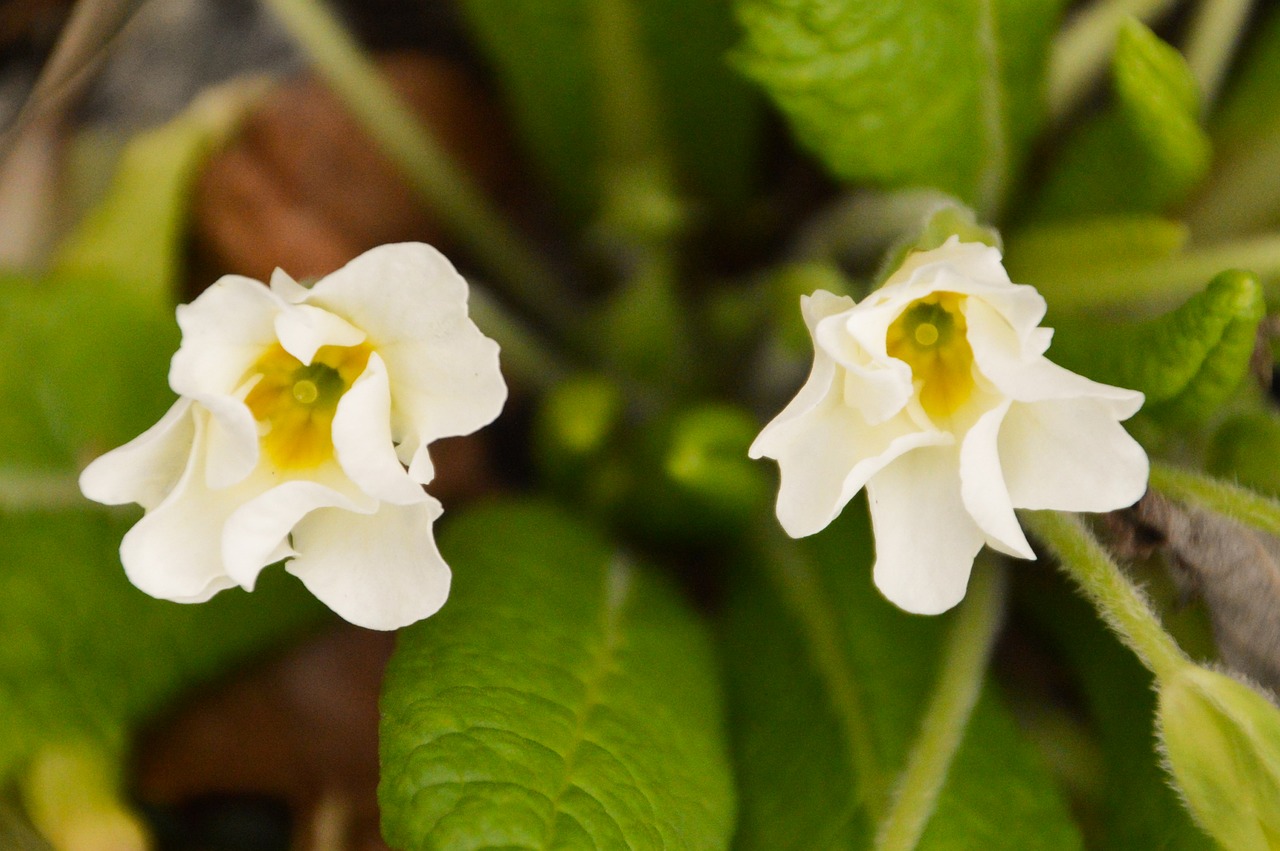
x=575 y=425
x=1221 y=740
x=73 y=795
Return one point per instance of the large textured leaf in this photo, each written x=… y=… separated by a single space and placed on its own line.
x=86 y=656
x=917 y=93
x=1146 y=153
x=564 y=698
x=827 y=682
x=544 y=55
x=1140 y=808
x=1187 y=362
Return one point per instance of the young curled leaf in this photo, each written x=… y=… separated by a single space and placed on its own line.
x=1187 y=362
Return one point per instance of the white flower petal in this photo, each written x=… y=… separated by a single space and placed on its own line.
x=443 y=371
x=982 y=486
x=287 y=288
x=1070 y=455
x=826 y=456
x=174 y=551
x=362 y=439
x=232 y=440
x=224 y=332
x=815 y=308
x=925 y=539
x=256 y=533
x=146 y=468
x=303 y=328
x=875 y=384
x=998 y=357
x=380 y=571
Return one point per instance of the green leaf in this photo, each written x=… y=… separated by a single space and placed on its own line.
x=564 y=698
x=86 y=657
x=1144 y=155
x=1060 y=259
x=1241 y=194
x=1140 y=809
x=1187 y=362
x=827 y=682
x=906 y=94
x=543 y=54
x=134 y=236
x=1246 y=450
x=87 y=369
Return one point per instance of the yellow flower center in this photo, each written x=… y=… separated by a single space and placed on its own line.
x=930 y=337
x=297 y=401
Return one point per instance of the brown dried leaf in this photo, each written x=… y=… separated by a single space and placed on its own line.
x=1234 y=569
x=303 y=729
x=304 y=188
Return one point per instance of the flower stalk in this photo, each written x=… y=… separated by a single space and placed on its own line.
x=1241 y=504
x=431 y=170
x=963 y=669
x=1112 y=594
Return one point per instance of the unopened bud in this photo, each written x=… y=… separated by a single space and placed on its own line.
x=1221 y=739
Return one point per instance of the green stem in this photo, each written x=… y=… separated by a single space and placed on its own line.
x=1241 y=194
x=1121 y=605
x=523 y=354
x=1240 y=504
x=801 y=589
x=1215 y=31
x=1084 y=46
x=1167 y=280
x=26 y=490
x=431 y=170
x=963 y=670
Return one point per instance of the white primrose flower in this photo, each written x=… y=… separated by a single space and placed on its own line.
x=935 y=394
x=301 y=433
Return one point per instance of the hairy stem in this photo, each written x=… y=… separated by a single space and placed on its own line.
x=946 y=718
x=1121 y=605
x=1241 y=504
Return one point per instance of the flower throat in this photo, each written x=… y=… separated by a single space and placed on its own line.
x=931 y=337
x=297 y=402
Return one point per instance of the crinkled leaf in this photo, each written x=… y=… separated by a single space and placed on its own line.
x=564 y=698
x=543 y=53
x=922 y=93
x=1140 y=809
x=1146 y=153
x=86 y=656
x=1187 y=362
x=827 y=682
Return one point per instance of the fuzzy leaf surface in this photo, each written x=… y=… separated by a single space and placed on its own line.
x=827 y=682
x=564 y=698
x=919 y=93
x=1187 y=362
